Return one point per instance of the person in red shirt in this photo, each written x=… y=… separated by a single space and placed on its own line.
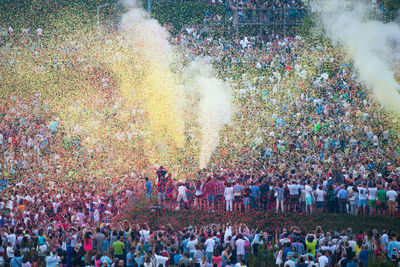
x=209 y=192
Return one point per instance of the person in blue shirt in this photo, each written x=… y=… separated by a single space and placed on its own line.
x=178 y=256
x=130 y=258
x=148 y=189
x=139 y=259
x=363 y=256
x=184 y=242
x=255 y=192
x=171 y=256
x=17 y=260
x=41 y=239
x=298 y=246
x=371 y=166
x=342 y=199
x=392 y=247
x=353 y=263
x=286 y=250
x=105 y=259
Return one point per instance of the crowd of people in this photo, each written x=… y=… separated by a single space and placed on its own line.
x=84 y=243
x=261 y=4
x=335 y=248
x=245 y=194
x=319 y=140
x=307 y=137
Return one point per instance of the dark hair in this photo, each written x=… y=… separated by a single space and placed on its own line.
x=24 y=259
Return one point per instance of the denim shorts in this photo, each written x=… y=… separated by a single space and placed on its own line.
x=161 y=196
x=148 y=195
x=362 y=202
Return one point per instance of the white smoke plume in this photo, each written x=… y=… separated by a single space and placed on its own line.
x=147 y=33
x=215 y=97
x=373 y=46
x=215 y=107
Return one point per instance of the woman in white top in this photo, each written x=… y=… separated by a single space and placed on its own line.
x=205 y=263
x=279 y=257
x=320 y=196
x=198 y=200
x=309 y=197
x=147 y=261
x=182 y=193
x=229 y=194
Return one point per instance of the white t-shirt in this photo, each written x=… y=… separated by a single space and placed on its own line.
x=182 y=190
x=362 y=193
x=11 y=238
x=323 y=260
x=191 y=244
x=320 y=195
x=10 y=252
x=144 y=234
x=240 y=244
x=352 y=244
x=160 y=260
x=210 y=244
x=228 y=193
x=294 y=189
x=55 y=206
x=308 y=190
x=372 y=193
x=391 y=195
x=290 y=263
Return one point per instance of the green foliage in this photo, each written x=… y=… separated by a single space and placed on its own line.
x=181 y=14
x=392 y=7
x=264 y=257
x=311 y=29
x=378 y=262
x=68 y=15
x=308 y=24
x=267 y=220
x=46 y=13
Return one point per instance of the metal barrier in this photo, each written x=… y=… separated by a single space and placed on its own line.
x=275 y=17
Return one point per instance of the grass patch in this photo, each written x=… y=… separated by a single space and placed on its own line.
x=263 y=220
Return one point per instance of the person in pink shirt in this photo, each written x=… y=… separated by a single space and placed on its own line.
x=216 y=259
